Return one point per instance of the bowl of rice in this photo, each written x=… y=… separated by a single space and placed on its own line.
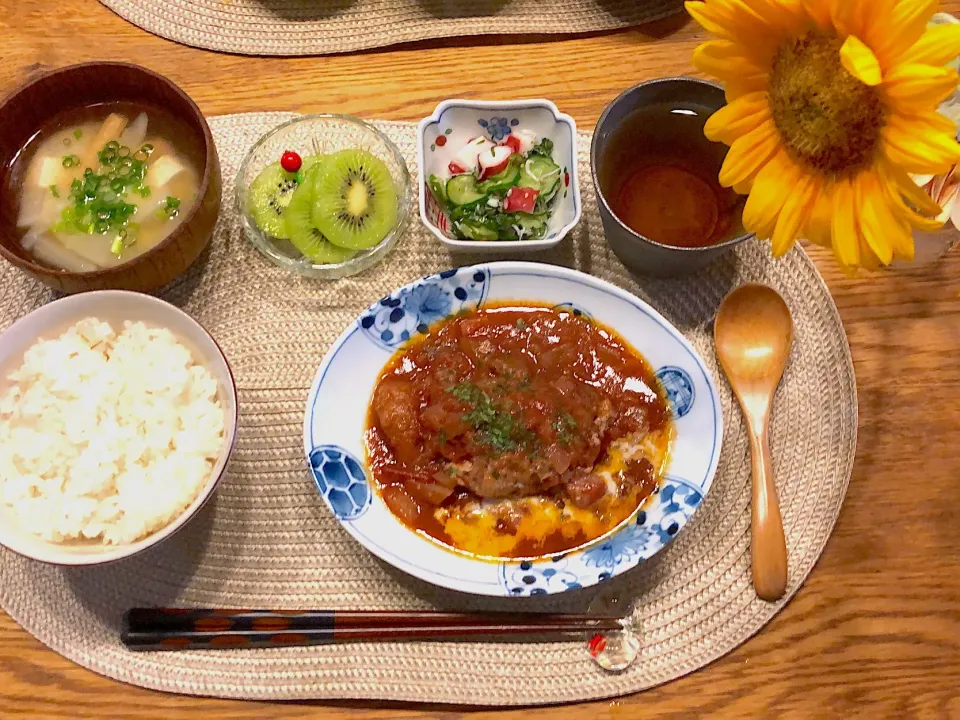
x=118 y=414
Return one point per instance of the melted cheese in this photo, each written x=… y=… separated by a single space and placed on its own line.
x=473 y=528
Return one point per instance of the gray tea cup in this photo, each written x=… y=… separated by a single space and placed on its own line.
x=637 y=252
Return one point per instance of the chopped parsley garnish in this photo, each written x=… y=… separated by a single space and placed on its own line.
x=468 y=393
x=495 y=428
x=565 y=425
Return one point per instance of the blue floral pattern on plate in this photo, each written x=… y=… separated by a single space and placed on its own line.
x=341 y=481
x=543 y=577
x=396 y=318
x=498 y=127
x=679 y=388
x=651 y=530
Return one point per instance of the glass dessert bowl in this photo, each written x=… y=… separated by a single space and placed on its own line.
x=325 y=196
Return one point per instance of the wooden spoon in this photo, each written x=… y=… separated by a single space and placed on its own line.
x=753 y=333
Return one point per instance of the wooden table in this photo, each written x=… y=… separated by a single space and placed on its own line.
x=876 y=628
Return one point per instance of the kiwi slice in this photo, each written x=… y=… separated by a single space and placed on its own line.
x=301 y=232
x=355 y=203
x=270 y=192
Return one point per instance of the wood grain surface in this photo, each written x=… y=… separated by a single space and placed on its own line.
x=874 y=632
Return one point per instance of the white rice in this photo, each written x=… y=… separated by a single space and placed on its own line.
x=107 y=435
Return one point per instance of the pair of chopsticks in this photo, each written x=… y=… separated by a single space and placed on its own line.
x=188 y=629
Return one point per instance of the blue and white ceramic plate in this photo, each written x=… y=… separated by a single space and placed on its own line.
x=337 y=410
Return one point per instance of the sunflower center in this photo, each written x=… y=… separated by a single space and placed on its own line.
x=826 y=118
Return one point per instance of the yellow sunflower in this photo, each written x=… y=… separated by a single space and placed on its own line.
x=832 y=104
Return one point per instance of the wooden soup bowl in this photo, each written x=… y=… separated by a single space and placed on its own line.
x=38 y=102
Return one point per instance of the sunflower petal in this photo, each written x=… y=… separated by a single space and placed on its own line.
x=899 y=207
x=846 y=240
x=907 y=23
x=939 y=45
x=916 y=196
x=788 y=15
x=699 y=11
x=820 y=219
x=875 y=217
x=860 y=61
x=794 y=214
x=771 y=188
x=922 y=123
x=749 y=154
x=896 y=229
x=881 y=218
x=839 y=13
x=736 y=89
x=725 y=60
x=919 y=153
x=733 y=20
x=868 y=260
x=819 y=12
x=904 y=245
x=919 y=86
x=743 y=115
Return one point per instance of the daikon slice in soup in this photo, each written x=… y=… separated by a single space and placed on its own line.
x=104 y=184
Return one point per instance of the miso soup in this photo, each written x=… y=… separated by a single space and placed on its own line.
x=102 y=185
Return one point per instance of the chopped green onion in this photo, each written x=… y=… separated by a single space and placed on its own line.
x=78 y=133
x=99 y=198
x=147 y=148
x=173 y=202
x=54 y=191
x=70 y=161
x=116 y=247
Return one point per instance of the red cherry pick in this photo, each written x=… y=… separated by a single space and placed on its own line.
x=290 y=161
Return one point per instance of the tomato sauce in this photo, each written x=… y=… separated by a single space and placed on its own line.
x=517 y=431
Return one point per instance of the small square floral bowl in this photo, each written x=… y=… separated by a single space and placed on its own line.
x=456 y=122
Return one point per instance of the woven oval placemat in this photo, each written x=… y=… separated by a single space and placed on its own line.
x=267 y=540
x=322 y=27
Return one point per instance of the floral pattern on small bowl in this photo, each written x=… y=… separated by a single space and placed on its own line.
x=396 y=318
x=455 y=122
x=498 y=127
x=652 y=529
